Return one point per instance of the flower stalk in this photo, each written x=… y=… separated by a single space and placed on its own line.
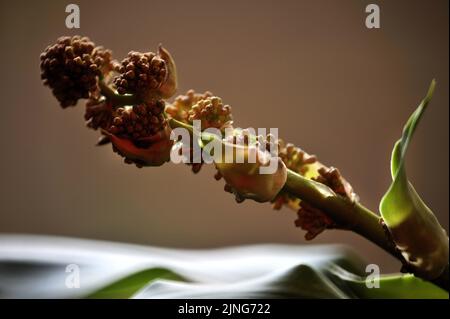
x=352 y=215
x=116 y=99
x=127 y=102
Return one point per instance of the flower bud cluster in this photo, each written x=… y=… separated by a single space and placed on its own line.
x=140 y=73
x=147 y=75
x=296 y=160
x=179 y=109
x=212 y=113
x=139 y=121
x=71 y=68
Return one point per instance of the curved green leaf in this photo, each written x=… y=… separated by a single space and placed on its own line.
x=414 y=228
x=397 y=203
x=35 y=267
x=405 y=286
x=128 y=286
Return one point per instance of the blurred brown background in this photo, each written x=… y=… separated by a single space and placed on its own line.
x=310 y=68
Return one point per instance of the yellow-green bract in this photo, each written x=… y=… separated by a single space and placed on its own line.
x=413 y=226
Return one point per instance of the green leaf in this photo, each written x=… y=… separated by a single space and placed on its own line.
x=35 y=267
x=414 y=228
x=128 y=286
x=397 y=203
x=394 y=287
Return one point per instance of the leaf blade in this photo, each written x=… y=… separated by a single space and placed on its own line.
x=413 y=226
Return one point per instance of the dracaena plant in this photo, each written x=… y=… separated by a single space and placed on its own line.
x=127 y=102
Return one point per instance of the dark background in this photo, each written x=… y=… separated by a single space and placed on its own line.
x=310 y=68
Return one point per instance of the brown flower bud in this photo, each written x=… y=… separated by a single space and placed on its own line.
x=313 y=220
x=296 y=160
x=179 y=109
x=140 y=134
x=139 y=121
x=147 y=75
x=99 y=113
x=246 y=179
x=103 y=59
x=71 y=68
x=334 y=180
x=140 y=74
x=212 y=113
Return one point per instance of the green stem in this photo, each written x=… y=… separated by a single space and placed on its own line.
x=117 y=100
x=177 y=124
x=352 y=216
